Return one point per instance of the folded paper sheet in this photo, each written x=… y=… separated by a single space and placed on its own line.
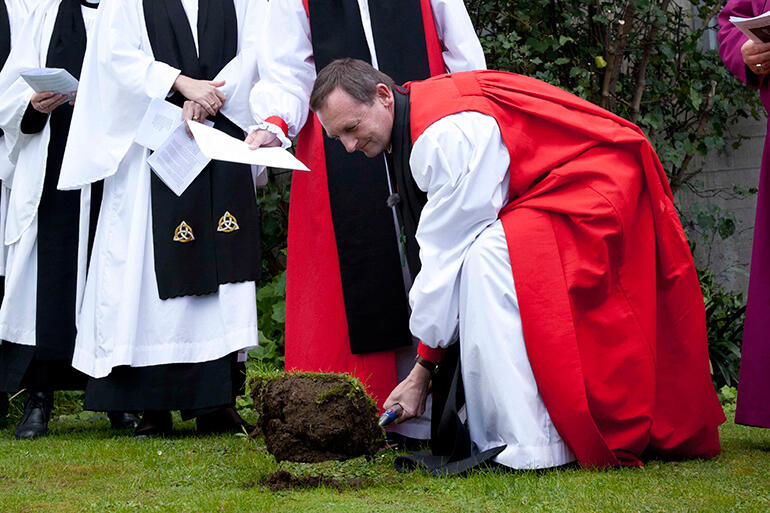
x=219 y=146
x=56 y=80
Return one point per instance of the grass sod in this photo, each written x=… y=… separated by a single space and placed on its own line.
x=82 y=466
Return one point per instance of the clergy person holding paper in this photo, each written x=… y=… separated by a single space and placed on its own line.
x=12 y=15
x=37 y=317
x=343 y=242
x=750 y=62
x=170 y=297
x=548 y=240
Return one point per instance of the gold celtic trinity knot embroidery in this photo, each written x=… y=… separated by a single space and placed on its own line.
x=183 y=233
x=228 y=223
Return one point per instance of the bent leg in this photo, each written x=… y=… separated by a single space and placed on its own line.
x=502 y=399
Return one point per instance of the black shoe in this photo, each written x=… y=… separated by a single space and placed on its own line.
x=223 y=420
x=154 y=423
x=123 y=420
x=37 y=411
x=3 y=410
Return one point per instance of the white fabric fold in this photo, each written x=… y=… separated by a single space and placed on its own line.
x=462 y=164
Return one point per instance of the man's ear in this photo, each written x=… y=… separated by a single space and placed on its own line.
x=384 y=94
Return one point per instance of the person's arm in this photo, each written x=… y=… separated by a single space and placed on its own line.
x=279 y=101
x=733 y=45
x=462 y=164
x=462 y=49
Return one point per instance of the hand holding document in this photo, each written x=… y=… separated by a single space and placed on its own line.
x=56 y=80
x=219 y=146
x=757 y=28
x=177 y=160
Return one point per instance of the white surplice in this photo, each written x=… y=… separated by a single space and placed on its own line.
x=29 y=154
x=121 y=319
x=466 y=286
x=287 y=80
x=18 y=10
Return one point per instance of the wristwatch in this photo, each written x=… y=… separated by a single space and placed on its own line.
x=432 y=367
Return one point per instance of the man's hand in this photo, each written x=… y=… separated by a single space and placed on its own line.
x=46 y=102
x=411 y=394
x=192 y=111
x=756 y=56
x=261 y=139
x=202 y=92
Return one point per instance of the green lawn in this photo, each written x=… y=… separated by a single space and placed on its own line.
x=84 y=467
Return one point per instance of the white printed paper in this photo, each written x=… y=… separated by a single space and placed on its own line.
x=56 y=80
x=218 y=145
x=159 y=121
x=757 y=28
x=178 y=161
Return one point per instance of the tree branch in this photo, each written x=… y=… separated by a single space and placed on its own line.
x=615 y=54
x=640 y=70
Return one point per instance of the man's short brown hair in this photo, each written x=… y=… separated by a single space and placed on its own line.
x=357 y=78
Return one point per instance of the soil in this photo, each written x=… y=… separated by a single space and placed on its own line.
x=309 y=418
x=282 y=480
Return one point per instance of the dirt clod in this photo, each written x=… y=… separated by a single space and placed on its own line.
x=316 y=417
x=282 y=480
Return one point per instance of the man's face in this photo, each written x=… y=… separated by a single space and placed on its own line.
x=360 y=127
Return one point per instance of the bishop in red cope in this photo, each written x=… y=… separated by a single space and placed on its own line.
x=544 y=234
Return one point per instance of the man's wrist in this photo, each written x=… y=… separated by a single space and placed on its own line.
x=420 y=376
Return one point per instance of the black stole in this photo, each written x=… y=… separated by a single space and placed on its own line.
x=410 y=198
x=58 y=212
x=367 y=245
x=213 y=257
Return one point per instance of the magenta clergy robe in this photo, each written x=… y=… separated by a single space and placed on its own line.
x=754 y=379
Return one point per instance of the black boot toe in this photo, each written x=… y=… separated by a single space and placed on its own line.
x=37 y=412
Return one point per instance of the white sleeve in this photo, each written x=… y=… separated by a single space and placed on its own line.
x=119 y=79
x=26 y=52
x=462 y=164
x=287 y=69
x=242 y=71
x=462 y=49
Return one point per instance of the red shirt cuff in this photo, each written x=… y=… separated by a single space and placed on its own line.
x=431 y=354
x=279 y=123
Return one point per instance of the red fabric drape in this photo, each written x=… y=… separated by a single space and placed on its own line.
x=316 y=326
x=611 y=307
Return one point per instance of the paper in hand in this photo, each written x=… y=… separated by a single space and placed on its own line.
x=56 y=80
x=159 y=121
x=218 y=145
x=178 y=161
x=757 y=28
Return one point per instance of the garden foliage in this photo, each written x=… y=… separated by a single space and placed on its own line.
x=649 y=61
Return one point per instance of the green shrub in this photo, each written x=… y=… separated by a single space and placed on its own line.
x=725 y=313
